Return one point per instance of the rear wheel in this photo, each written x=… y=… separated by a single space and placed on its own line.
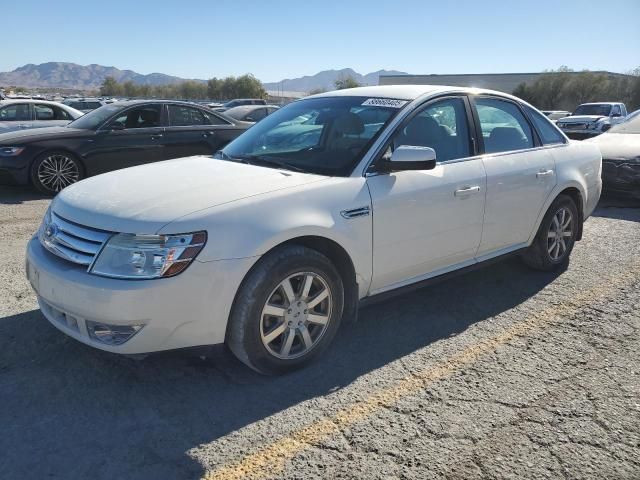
x=287 y=310
x=556 y=236
x=53 y=171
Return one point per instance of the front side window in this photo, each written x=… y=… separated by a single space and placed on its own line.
x=181 y=116
x=97 y=117
x=145 y=116
x=325 y=135
x=616 y=112
x=18 y=112
x=549 y=133
x=504 y=127
x=256 y=115
x=442 y=125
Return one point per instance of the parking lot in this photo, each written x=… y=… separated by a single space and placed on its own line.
x=501 y=373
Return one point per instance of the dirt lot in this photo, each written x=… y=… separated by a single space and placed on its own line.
x=502 y=373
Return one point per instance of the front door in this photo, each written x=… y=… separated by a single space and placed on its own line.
x=425 y=222
x=520 y=175
x=134 y=137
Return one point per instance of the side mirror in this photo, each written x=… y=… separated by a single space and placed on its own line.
x=408 y=157
x=616 y=114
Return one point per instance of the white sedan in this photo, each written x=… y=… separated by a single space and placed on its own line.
x=269 y=245
x=26 y=114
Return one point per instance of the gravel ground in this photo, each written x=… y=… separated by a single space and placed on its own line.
x=501 y=373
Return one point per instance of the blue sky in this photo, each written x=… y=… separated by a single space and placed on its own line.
x=284 y=39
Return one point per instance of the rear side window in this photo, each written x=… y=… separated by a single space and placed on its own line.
x=504 y=127
x=549 y=134
x=181 y=116
x=44 y=112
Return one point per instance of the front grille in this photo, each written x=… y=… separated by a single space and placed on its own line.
x=574 y=126
x=73 y=242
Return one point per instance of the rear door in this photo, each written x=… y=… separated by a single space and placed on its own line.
x=520 y=174
x=194 y=131
x=134 y=137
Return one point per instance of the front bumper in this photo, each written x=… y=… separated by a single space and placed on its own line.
x=14 y=170
x=187 y=310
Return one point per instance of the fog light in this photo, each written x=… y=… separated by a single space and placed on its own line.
x=111 y=334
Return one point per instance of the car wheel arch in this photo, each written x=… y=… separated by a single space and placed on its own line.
x=336 y=253
x=576 y=192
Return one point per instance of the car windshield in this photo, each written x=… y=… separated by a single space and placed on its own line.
x=599 y=110
x=630 y=126
x=95 y=118
x=326 y=135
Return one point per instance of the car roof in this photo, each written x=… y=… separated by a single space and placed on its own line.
x=28 y=100
x=602 y=103
x=404 y=92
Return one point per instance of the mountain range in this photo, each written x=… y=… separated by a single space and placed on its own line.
x=325 y=80
x=89 y=77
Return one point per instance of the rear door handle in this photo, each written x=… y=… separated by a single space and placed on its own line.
x=208 y=134
x=465 y=191
x=544 y=173
x=156 y=136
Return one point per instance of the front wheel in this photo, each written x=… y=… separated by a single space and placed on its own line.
x=53 y=171
x=556 y=236
x=287 y=310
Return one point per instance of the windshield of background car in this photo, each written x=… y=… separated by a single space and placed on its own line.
x=630 y=126
x=326 y=135
x=97 y=117
x=600 y=110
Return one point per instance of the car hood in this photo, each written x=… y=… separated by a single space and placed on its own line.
x=581 y=118
x=34 y=134
x=143 y=199
x=622 y=146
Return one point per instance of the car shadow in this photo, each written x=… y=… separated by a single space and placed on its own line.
x=618 y=207
x=14 y=194
x=139 y=418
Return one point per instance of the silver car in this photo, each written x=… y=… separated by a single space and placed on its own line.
x=25 y=114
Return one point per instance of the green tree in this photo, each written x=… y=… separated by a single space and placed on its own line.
x=346 y=82
x=110 y=87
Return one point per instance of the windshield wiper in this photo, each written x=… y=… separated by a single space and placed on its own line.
x=267 y=161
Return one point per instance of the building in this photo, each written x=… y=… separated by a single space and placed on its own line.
x=503 y=82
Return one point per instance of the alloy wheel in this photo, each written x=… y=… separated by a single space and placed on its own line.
x=560 y=234
x=296 y=315
x=57 y=171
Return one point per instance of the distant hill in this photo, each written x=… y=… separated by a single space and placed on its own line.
x=326 y=79
x=89 y=77
x=82 y=77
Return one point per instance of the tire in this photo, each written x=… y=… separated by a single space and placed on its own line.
x=264 y=322
x=545 y=253
x=52 y=171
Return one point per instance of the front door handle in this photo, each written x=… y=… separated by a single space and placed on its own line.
x=208 y=134
x=465 y=191
x=156 y=136
x=544 y=173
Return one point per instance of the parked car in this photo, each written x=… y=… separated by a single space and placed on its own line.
x=239 y=102
x=25 y=114
x=114 y=136
x=268 y=248
x=620 y=148
x=251 y=113
x=554 y=115
x=591 y=119
x=85 y=105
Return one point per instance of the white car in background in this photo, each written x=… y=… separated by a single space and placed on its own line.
x=268 y=247
x=26 y=114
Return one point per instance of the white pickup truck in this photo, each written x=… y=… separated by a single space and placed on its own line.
x=591 y=119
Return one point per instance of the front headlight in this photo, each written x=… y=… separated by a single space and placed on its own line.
x=148 y=256
x=11 y=151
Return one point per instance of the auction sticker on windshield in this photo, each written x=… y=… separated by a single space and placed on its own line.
x=384 y=102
